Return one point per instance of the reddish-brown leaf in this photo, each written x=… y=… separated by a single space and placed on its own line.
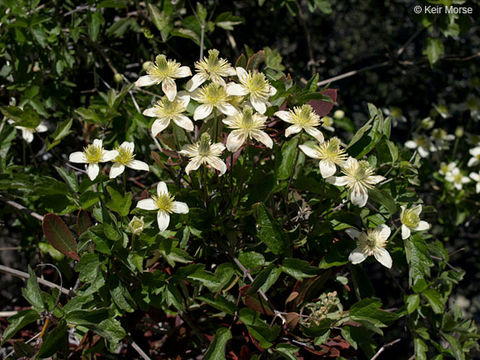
x=83 y=222
x=322 y=108
x=59 y=236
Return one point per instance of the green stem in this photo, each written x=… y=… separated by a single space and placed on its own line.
x=242 y=173
x=124 y=183
x=292 y=173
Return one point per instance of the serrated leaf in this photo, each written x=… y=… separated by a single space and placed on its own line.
x=118 y=202
x=59 y=236
x=17 y=322
x=216 y=350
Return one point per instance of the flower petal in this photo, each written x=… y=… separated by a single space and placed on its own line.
x=138 y=165
x=327 y=168
x=236 y=89
x=130 y=146
x=284 y=115
x=162 y=188
x=77 y=157
x=235 y=139
x=195 y=82
x=193 y=164
x=317 y=134
x=217 y=163
x=310 y=152
x=27 y=135
x=147 y=204
x=227 y=109
x=150 y=112
x=242 y=74
x=411 y=144
x=41 y=128
x=263 y=137
x=337 y=180
x=183 y=71
x=405 y=232
x=383 y=257
x=116 y=170
x=184 y=122
x=92 y=171
x=179 y=207
x=422 y=225
x=146 y=80
x=169 y=88
x=359 y=197
x=384 y=232
x=375 y=179
x=163 y=219
x=294 y=129
x=108 y=155
x=202 y=111
x=159 y=125
x=98 y=143
x=353 y=233
x=258 y=105
x=357 y=256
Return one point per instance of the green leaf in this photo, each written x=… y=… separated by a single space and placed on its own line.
x=120 y=295
x=69 y=177
x=83 y=222
x=455 y=345
x=17 y=322
x=119 y=203
x=161 y=20
x=58 y=234
x=216 y=350
x=265 y=279
x=433 y=48
x=62 y=130
x=258 y=328
x=287 y=351
x=270 y=232
x=96 y=21
x=412 y=303
x=88 y=267
x=251 y=259
x=299 y=269
x=32 y=292
x=57 y=339
x=420 y=349
x=27 y=117
x=369 y=309
x=219 y=302
x=383 y=197
x=287 y=159
x=434 y=299
x=418 y=259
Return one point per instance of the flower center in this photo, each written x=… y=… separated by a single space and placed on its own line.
x=411 y=219
x=304 y=116
x=247 y=119
x=458 y=178
x=169 y=109
x=214 y=94
x=125 y=156
x=164 y=202
x=330 y=150
x=163 y=68
x=204 y=145
x=93 y=154
x=258 y=86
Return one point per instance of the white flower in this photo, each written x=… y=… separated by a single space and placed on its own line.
x=246 y=125
x=166 y=111
x=255 y=85
x=395 y=114
x=92 y=155
x=476 y=177
x=410 y=219
x=301 y=118
x=422 y=144
x=445 y=169
x=27 y=133
x=475 y=159
x=441 y=138
x=329 y=153
x=165 y=204
x=327 y=123
x=372 y=242
x=211 y=68
x=358 y=178
x=204 y=152
x=212 y=96
x=165 y=72
x=457 y=178
x=136 y=225
x=124 y=158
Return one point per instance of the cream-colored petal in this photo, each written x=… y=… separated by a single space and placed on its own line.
x=258 y=105
x=196 y=81
x=217 y=163
x=327 y=168
x=384 y=232
x=294 y=129
x=202 y=111
x=284 y=115
x=98 y=143
x=163 y=219
x=193 y=164
x=92 y=171
x=116 y=170
x=159 y=125
x=184 y=98
x=357 y=256
x=235 y=139
x=242 y=74
x=405 y=232
x=41 y=128
x=183 y=71
x=169 y=88
x=108 y=155
x=130 y=146
x=359 y=197
x=262 y=137
x=138 y=165
x=317 y=134
x=147 y=204
x=422 y=225
x=375 y=179
x=383 y=257
x=27 y=135
x=227 y=109
x=337 y=180
x=417 y=209
x=179 y=207
x=310 y=152
x=353 y=233
x=184 y=122
x=411 y=144
x=146 y=80
x=162 y=188
x=217 y=148
x=150 y=112
x=77 y=157
x=236 y=90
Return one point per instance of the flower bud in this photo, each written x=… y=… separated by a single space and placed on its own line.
x=339 y=114
x=459 y=132
x=147 y=65
x=118 y=78
x=136 y=225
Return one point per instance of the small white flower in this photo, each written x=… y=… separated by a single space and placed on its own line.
x=92 y=155
x=358 y=178
x=329 y=153
x=136 y=225
x=164 y=204
x=395 y=114
x=255 y=85
x=410 y=219
x=475 y=159
x=301 y=118
x=124 y=158
x=211 y=68
x=476 y=177
x=165 y=72
x=422 y=144
x=165 y=111
x=372 y=242
x=27 y=133
x=212 y=96
x=457 y=178
x=204 y=152
x=441 y=138
x=445 y=169
x=246 y=125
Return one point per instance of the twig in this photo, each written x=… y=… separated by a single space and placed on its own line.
x=382 y=349
x=139 y=351
x=202 y=39
x=23 y=275
x=11 y=248
x=351 y=73
x=5 y=314
x=303 y=20
x=61 y=284
x=22 y=208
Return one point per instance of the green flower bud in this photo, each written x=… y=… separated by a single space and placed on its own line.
x=136 y=225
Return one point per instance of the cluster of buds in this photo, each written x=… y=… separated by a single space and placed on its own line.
x=328 y=306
